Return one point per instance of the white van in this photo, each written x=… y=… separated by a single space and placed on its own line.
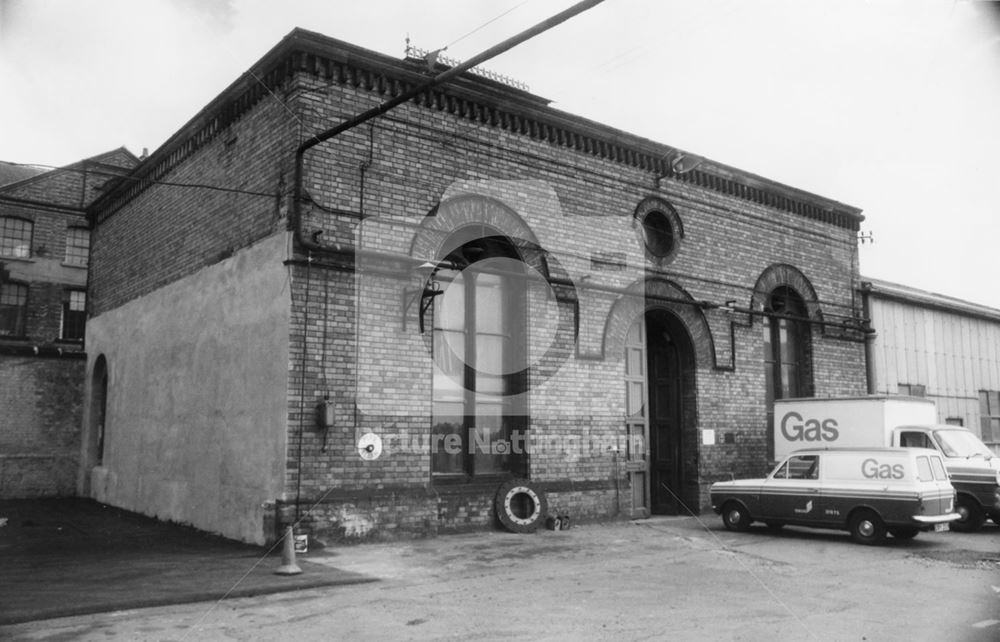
x=888 y=420
x=866 y=491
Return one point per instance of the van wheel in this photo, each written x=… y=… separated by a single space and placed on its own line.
x=735 y=517
x=867 y=528
x=904 y=532
x=972 y=515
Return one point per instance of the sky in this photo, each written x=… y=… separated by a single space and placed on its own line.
x=890 y=106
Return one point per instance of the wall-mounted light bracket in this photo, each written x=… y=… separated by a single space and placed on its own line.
x=424 y=294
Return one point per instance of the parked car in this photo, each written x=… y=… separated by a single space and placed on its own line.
x=866 y=491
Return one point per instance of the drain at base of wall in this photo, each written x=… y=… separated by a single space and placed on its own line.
x=520 y=506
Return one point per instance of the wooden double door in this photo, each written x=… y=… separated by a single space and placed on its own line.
x=654 y=390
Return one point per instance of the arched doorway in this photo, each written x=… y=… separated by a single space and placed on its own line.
x=98 y=410
x=660 y=401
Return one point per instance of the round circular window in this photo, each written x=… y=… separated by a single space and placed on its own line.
x=658 y=234
x=659 y=228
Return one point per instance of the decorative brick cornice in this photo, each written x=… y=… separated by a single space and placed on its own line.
x=468 y=97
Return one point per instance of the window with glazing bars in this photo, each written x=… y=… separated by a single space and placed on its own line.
x=989 y=415
x=13 y=309
x=15 y=237
x=74 y=314
x=77 y=246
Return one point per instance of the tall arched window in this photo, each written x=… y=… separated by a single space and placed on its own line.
x=787 y=346
x=479 y=354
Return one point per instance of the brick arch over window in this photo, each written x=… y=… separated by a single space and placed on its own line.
x=452 y=223
x=466 y=211
x=652 y=294
x=784 y=275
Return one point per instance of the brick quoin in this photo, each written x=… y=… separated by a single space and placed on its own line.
x=382 y=198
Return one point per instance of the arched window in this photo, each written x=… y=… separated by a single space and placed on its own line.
x=787 y=346
x=98 y=409
x=479 y=350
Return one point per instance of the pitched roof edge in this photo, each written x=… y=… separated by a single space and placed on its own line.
x=925 y=298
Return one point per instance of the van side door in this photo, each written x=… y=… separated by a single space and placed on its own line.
x=792 y=493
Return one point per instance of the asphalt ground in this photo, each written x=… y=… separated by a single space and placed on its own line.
x=63 y=557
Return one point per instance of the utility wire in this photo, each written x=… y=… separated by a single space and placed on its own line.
x=485 y=24
x=110 y=174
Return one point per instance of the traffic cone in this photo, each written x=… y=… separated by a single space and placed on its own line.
x=288 y=565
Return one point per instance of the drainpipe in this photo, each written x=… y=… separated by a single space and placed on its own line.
x=296 y=214
x=870 y=334
x=312 y=244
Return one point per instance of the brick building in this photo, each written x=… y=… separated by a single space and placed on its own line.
x=471 y=288
x=44 y=248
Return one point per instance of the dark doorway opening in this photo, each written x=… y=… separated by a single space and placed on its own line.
x=98 y=409
x=672 y=446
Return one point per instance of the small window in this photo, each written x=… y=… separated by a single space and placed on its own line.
x=658 y=234
x=74 y=314
x=659 y=229
x=799 y=467
x=15 y=237
x=13 y=309
x=989 y=415
x=912 y=389
x=954 y=421
x=77 y=246
x=914 y=440
x=924 y=473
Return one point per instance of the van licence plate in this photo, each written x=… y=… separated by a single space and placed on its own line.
x=941 y=527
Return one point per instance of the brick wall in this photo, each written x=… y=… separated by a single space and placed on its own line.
x=417 y=157
x=375 y=187
x=41 y=392
x=39 y=426
x=181 y=223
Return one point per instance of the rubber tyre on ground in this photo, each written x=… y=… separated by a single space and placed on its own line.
x=867 y=528
x=735 y=517
x=904 y=532
x=520 y=506
x=972 y=515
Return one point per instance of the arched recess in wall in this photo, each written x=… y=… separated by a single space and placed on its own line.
x=465 y=212
x=789 y=306
x=462 y=226
x=652 y=294
x=783 y=275
x=98 y=411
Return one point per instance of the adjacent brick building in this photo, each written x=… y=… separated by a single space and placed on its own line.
x=44 y=250
x=471 y=288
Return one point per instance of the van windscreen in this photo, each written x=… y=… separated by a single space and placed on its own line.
x=961 y=443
